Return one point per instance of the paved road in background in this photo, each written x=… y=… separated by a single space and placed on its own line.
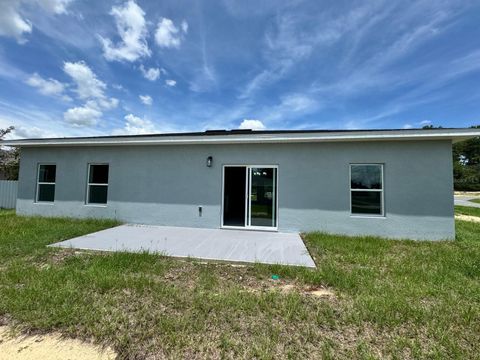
x=463 y=200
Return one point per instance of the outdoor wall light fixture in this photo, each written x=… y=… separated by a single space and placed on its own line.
x=209 y=161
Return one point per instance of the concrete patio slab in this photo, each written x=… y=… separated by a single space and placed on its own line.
x=211 y=244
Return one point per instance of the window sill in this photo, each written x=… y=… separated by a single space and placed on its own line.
x=96 y=205
x=44 y=202
x=368 y=216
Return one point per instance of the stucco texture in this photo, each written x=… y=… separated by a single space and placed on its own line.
x=165 y=185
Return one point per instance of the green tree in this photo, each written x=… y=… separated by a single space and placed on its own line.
x=466 y=164
x=6 y=131
x=9 y=159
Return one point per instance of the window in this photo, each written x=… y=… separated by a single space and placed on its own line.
x=46 y=183
x=366 y=189
x=97 y=188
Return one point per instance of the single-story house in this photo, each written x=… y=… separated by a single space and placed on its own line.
x=391 y=183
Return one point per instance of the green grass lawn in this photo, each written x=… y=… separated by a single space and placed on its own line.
x=393 y=299
x=475 y=200
x=467 y=210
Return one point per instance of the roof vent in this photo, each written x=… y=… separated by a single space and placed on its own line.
x=215 y=132
x=241 y=130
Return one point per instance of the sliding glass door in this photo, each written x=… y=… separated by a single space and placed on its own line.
x=250 y=196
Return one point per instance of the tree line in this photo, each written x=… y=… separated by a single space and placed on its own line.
x=466 y=164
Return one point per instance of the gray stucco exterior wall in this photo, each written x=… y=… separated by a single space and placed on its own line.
x=164 y=185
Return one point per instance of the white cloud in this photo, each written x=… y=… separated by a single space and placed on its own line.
x=252 y=124
x=31 y=132
x=106 y=103
x=11 y=22
x=87 y=83
x=292 y=39
x=90 y=112
x=184 y=26
x=30 y=121
x=55 y=6
x=151 y=74
x=49 y=87
x=14 y=24
x=87 y=87
x=295 y=37
x=291 y=106
x=205 y=78
x=132 y=29
x=298 y=103
x=146 y=99
x=408 y=126
x=168 y=35
x=286 y=44
x=87 y=115
x=368 y=65
x=135 y=125
x=118 y=87
x=425 y=122
x=170 y=82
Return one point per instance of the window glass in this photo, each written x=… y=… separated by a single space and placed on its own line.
x=98 y=194
x=46 y=192
x=366 y=176
x=47 y=173
x=98 y=174
x=46 y=183
x=97 y=190
x=366 y=202
x=366 y=189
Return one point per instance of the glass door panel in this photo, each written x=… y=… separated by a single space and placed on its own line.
x=234 y=195
x=263 y=198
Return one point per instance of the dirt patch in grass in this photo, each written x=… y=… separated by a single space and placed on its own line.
x=48 y=347
x=61 y=255
x=194 y=274
x=320 y=292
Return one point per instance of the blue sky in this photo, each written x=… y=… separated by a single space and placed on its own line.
x=72 y=68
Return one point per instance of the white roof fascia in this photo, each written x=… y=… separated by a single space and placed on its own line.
x=255 y=137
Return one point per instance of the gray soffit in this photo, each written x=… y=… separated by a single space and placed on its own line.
x=248 y=136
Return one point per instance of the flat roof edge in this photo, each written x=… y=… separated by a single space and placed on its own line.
x=255 y=137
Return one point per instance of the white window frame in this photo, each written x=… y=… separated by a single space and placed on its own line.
x=87 y=195
x=37 y=192
x=382 y=190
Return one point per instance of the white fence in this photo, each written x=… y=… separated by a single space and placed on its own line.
x=8 y=194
